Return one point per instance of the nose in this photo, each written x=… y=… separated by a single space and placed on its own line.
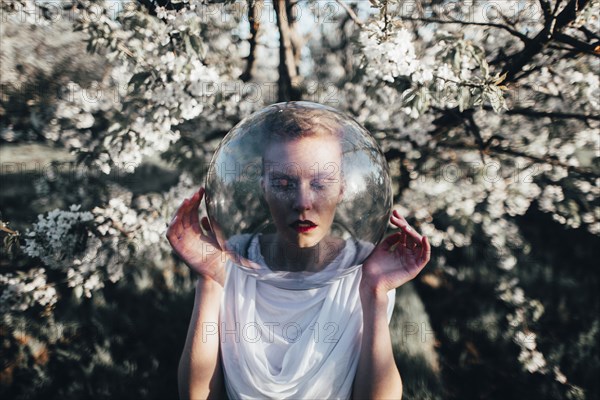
x=303 y=199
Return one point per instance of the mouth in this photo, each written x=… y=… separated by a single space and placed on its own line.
x=303 y=226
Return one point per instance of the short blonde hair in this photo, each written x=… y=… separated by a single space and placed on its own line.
x=290 y=121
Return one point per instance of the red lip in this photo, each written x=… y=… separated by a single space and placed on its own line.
x=303 y=226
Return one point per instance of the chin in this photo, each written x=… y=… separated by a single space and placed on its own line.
x=309 y=242
x=303 y=241
x=306 y=244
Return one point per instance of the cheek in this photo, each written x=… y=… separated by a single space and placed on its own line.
x=329 y=206
x=333 y=202
x=331 y=197
x=277 y=206
x=273 y=198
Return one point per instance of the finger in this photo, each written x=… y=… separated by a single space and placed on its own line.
x=180 y=210
x=174 y=218
x=402 y=225
x=209 y=230
x=185 y=213
x=209 y=235
x=400 y=222
x=194 y=222
x=392 y=242
x=193 y=219
x=399 y=216
x=175 y=229
x=425 y=251
x=206 y=225
x=412 y=243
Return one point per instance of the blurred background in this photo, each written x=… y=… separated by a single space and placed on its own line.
x=488 y=115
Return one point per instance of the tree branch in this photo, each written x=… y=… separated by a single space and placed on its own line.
x=589 y=34
x=541 y=40
x=585 y=172
x=578 y=45
x=549 y=114
x=474 y=129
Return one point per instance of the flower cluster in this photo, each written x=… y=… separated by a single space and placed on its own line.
x=526 y=313
x=163 y=73
x=21 y=291
x=134 y=231
x=58 y=236
x=452 y=71
x=388 y=55
x=62 y=240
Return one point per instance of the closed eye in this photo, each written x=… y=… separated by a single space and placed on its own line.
x=318 y=185
x=283 y=183
x=322 y=184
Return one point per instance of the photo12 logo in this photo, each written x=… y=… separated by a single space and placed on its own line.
x=268 y=332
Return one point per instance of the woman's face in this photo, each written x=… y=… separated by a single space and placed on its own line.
x=302 y=183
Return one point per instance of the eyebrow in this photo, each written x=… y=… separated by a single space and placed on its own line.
x=320 y=177
x=279 y=175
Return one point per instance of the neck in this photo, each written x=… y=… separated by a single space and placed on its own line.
x=285 y=256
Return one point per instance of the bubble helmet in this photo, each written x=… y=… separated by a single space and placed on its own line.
x=303 y=171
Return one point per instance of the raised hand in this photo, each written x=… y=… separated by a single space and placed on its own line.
x=397 y=259
x=195 y=242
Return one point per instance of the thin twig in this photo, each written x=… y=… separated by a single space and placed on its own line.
x=513 y=32
x=351 y=13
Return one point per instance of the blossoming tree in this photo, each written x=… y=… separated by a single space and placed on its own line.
x=486 y=112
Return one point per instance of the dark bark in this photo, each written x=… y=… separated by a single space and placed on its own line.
x=288 y=76
x=547 y=114
x=553 y=26
x=152 y=4
x=254 y=10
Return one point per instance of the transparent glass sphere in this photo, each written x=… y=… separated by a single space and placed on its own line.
x=298 y=194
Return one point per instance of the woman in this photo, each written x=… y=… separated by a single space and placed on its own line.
x=250 y=339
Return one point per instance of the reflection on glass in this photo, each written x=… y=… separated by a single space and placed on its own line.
x=299 y=194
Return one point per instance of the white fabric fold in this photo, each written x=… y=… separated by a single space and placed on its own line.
x=281 y=343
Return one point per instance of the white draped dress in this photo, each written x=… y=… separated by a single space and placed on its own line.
x=297 y=344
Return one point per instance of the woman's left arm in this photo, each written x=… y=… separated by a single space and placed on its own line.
x=396 y=260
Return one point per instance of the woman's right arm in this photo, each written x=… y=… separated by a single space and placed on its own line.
x=200 y=374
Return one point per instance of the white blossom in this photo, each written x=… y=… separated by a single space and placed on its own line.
x=21 y=291
x=388 y=55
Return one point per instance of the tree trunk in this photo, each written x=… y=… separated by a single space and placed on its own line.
x=255 y=8
x=288 y=53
